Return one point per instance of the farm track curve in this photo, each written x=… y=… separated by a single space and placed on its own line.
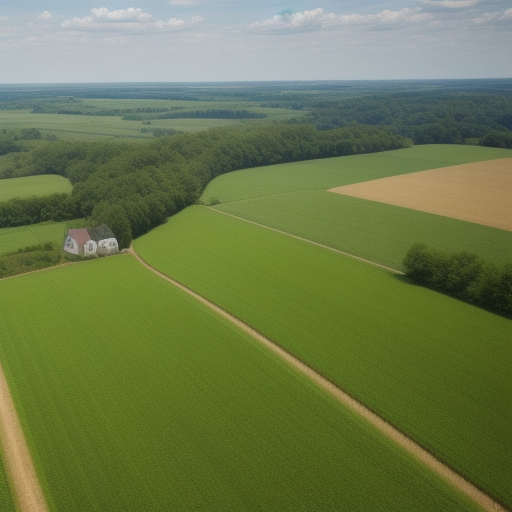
x=425 y=457
x=18 y=462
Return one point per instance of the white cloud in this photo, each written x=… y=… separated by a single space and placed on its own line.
x=182 y=2
x=318 y=20
x=129 y=20
x=492 y=17
x=45 y=15
x=451 y=4
x=4 y=18
x=121 y=14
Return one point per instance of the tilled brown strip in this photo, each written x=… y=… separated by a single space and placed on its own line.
x=18 y=462
x=479 y=497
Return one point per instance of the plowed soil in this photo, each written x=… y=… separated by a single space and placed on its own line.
x=479 y=192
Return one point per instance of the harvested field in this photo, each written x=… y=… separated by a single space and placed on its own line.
x=477 y=192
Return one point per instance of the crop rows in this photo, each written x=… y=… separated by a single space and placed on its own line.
x=135 y=397
x=436 y=368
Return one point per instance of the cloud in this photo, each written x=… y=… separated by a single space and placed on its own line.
x=133 y=20
x=182 y=2
x=45 y=15
x=4 y=18
x=318 y=20
x=121 y=14
x=494 y=18
x=451 y=4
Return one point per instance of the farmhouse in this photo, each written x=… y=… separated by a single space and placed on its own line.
x=99 y=240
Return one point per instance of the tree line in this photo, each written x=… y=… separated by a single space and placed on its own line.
x=135 y=187
x=462 y=275
x=425 y=118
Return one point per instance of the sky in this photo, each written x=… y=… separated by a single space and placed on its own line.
x=62 y=41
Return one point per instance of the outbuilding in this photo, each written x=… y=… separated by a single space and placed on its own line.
x=105 y=239
x=76 y=240
x=100 y=240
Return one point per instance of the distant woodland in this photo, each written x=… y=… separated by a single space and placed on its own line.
x=135 y=186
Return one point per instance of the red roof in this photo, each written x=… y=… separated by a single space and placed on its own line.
x=80 y=235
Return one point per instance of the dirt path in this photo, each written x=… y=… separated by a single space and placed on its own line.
x=385 y=428
x=18 y=462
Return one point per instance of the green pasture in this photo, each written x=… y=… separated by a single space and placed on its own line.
x=328 y=173
x=375 y=231
x=436 y=368
x=293 y=198
x=6 y=501
x=12 y=239
x=91 y=127
x=134 y=396
x=34 y=186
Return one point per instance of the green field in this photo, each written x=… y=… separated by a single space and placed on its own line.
x=6 y=502
x=34 y=186
x=134 y=396
x=12 y=239
x=93 y=127
x=437 y=368
x=293 y=198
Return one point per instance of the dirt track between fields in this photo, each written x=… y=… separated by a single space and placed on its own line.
x=18 y=462
x=479 y=192
x=384 y=427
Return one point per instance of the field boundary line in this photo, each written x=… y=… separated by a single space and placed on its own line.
x=385 y=428
x=394 y=270
x=21 y=472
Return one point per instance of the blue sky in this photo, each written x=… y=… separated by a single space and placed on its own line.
x=53 y=41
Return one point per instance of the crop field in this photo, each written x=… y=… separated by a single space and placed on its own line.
x=6 y=502
x=477 y=192
x=91 y=127
x=34 y=186
x=12 y=239
x=436 y=368
x=156 y=403
x=293 y=198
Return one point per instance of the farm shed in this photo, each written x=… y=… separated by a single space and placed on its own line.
x=105 y=239
x=100 y=240
x=76 y=240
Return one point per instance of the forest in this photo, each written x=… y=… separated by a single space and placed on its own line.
x=133 y=188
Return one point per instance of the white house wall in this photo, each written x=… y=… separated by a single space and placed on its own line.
x=71 y=245
x=90 y=248
x=108 y=246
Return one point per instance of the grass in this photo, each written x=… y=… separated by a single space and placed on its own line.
x=334 y=172
x=12 y=239
x=375 y=231
x=136 y=397
x=6 y=501
x=90 y=127
x=34 y=186
x=437 y=368
x=293 y=198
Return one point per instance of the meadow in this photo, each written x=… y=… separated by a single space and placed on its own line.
x=34 y=186
x=6 y=501
x=13 y=239
x=137 y=397
x=94 y=127
x=293 y=198
x=436 y=368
